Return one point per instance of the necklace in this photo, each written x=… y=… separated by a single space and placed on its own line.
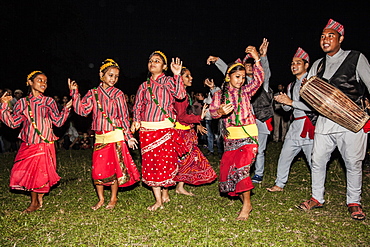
x=103 y=112
x=190 y=99
x=34 y=123
x=237 y=113
x=157 y=103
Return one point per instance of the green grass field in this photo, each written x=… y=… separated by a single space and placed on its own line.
x=208 y=219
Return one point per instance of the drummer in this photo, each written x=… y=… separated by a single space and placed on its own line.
x=301 y=130
x=349 y=71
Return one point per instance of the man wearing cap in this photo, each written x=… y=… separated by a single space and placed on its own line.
x=301 y=131
x=349 y=71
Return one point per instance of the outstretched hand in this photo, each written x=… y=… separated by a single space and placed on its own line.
x=5 y=98
x=132 y=143
x=212 y=59
x=253 y=51
x=204 y=111
x=263 y=47
x=201 y=129
x=209 y=83
x=225 y=109
x=72 y=84
x=176 y=66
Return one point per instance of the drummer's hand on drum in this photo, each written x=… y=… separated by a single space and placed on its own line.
x=225 y=109
x=284 y=99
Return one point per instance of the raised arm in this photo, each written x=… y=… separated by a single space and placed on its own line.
x=82 y=106
x=58 y=119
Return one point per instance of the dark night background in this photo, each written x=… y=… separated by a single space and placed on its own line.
x=71 y=38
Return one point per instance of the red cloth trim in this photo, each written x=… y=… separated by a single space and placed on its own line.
x=308 y=128
x=269 y=124
x=236 y=159
x=366 y=127
x=34 y=168
x=112 y=161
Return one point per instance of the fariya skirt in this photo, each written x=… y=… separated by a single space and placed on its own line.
x=34 y=168
x=194 y=169
x=161 y=150
x=235 y=166
x=112 y=162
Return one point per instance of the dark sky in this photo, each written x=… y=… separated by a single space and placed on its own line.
x=71 y=38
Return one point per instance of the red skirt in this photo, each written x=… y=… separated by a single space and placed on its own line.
x=111 y=162
x=160 y=151
x=195 y=168
x=34 y=168
x=235 y=168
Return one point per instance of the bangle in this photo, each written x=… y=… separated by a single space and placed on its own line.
x=257 y=60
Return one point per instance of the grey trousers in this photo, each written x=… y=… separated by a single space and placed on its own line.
x=260 y=158
x=352 y=147
x=290 y=149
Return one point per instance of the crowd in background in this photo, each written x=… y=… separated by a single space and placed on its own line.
x=77 y=134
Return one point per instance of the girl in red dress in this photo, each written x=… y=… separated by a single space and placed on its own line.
x=112 y=164
x=154 y=115
x=194 y=168
x=34 y=167
x=239 y=129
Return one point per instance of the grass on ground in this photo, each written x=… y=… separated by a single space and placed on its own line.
x=207 y=219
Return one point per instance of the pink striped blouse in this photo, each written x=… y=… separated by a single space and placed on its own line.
x=113 y=103
x=46 y=114
x=165 y=88
x=247 y=91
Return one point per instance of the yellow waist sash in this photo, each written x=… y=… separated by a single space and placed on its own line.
x=157 y=125
x=239 y=133
x=181 y=126
x=110 y=137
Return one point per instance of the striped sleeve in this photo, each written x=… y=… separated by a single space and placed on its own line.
x=58 y=119
x=12 y=120
x=256 y=82
x=123 y=114
x=82 y=106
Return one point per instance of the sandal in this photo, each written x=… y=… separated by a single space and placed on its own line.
x=310 y=204
x=356 y=211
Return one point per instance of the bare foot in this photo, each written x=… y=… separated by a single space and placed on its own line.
x=98 y=205
x=155 y=206
x=165 y=200
x=244 y=214
x=31 y=208
x=184 y=192
x=111 y=204
x=40 y=199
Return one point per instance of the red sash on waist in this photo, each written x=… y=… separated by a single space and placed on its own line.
x=268 y=123
x=366 y=127
x=308 y=127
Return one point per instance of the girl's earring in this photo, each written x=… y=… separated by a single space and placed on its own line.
x=101 y=78
x=227 y=78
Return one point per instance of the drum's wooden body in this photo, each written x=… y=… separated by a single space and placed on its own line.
x=333 y=104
